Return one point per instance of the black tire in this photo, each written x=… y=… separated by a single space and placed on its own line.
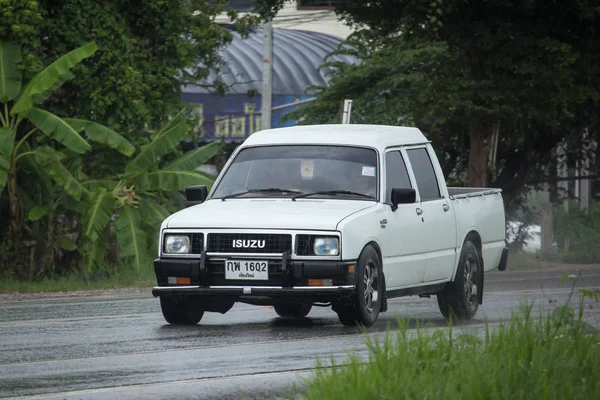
x=366 y=303
x=292 y=310
x=460 y=298
x=181 y=312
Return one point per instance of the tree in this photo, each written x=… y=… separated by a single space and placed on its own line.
x=487 y=66
x=25 y=119
x=149 y=49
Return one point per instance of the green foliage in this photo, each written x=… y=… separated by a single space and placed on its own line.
x=103 y=135
x=10 y=77
x=7 y=142
x=150 y=49
x=577 y=234
x=137 y=198
x=44 y=83
x=132 y=238
x=49 y=207
x=422 y=65
x=50 y=162
x=57 y=129
x=26 y=99
x=552 y=357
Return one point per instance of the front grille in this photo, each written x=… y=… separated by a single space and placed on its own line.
x=304 y=245
x=197 y=243
x=249 y=243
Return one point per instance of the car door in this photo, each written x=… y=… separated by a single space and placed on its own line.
x=407 y=256
x=438 y=215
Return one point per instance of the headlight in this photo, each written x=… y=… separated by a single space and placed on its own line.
x=177 y=244
x=326 y=246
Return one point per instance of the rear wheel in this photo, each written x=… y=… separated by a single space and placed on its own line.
x=460 y=299
x=292 y=310
x=366 y=303
x=181 y=311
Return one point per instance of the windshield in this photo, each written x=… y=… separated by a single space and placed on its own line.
x=301 y=169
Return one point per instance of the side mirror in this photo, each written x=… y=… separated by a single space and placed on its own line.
x=403 y=196
x=196 y=194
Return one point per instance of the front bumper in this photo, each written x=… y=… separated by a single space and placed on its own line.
x=287 y=277
x=266 y=291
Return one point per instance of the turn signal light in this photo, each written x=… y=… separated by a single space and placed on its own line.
x=178 y=280
x=320 y=282
x=351 y=268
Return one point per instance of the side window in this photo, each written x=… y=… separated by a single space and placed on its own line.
x=396 y=174
x=424 y=174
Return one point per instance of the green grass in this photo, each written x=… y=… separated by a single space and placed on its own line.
x=552 y=356
x=125 y=278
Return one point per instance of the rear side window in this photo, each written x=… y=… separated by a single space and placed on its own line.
x=424 y=174
x=396 y=174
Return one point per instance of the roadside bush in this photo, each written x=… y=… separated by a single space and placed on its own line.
x=552 y=356
x=578 y=234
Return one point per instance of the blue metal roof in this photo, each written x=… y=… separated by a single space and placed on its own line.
x=297 y=55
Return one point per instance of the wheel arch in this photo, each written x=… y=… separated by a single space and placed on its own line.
x=375 y=245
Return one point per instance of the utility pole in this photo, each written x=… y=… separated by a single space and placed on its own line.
x=267 y=75
x=346 y=111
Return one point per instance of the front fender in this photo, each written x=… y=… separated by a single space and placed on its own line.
x=361 y=228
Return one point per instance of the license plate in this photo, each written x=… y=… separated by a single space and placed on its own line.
x=254 y=270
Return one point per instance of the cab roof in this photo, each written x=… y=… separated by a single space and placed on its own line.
x=376 y=136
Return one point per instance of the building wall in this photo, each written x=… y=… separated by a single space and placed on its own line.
x=309 y=15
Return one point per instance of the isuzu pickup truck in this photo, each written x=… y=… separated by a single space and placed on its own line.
x=343 y=216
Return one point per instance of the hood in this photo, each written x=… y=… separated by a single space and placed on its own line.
x=309 y=214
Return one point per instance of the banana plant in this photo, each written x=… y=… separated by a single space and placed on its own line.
x=21 y=118
x=131 y=203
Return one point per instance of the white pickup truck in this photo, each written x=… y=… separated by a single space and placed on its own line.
x=345 y=216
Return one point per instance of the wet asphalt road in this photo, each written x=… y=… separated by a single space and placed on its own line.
x=120 y=347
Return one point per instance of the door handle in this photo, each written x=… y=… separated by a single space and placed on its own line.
x=446 y=207
x=419 y=211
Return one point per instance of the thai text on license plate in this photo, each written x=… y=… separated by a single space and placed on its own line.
x=247 y=270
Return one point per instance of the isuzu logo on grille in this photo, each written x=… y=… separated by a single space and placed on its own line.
x=249 y=244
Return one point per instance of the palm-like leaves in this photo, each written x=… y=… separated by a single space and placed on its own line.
x=57 y=129
x=98 y=214
x=142 y=181
x=48 y=78
x=7 y=141
x=50 y=161
x=172 y=180
x=10 y=74
x=132 y=238
x=164 y=143
x=103 y=135
x=191 y=160
x=36 y=92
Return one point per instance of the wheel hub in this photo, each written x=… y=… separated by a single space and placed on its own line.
x=470 y=285
x=371 y=294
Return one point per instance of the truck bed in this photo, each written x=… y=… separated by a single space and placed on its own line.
x=481 y=209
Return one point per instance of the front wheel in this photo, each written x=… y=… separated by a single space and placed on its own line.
x=292 y=310
x=460 y=298
x=366 y=304
x=181 y=311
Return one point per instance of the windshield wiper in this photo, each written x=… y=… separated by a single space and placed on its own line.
x=332 y=192
x=264 y=190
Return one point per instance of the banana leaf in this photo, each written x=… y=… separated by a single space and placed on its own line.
x=10 y=74
x=48 y=77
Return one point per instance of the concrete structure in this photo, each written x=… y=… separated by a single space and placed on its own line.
x=308 y=15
